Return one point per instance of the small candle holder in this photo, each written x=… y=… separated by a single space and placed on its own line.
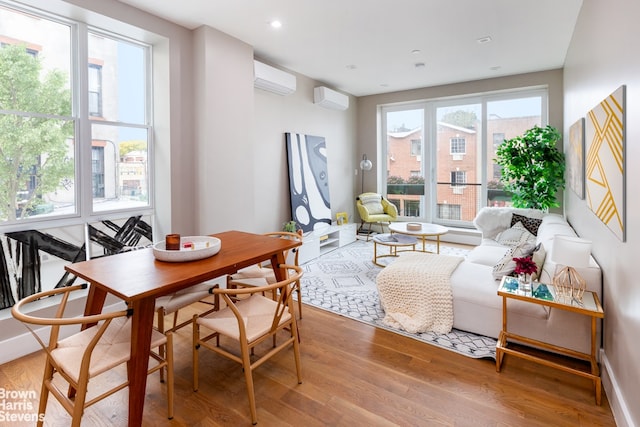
x=172 y=242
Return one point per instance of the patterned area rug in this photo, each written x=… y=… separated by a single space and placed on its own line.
x=343 y=282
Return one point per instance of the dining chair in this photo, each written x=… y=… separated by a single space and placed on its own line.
x=257 y=274
x=251 y=318
x=81 y=357
x=173 y=303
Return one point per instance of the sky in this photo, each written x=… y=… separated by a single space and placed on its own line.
x=522 y=107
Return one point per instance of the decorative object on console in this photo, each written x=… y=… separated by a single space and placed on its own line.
x=365 y=165
x=606 y=157
x=342 y=218
x=525 y=269
x=308 y=180
x=290 y=226
x=570 y=253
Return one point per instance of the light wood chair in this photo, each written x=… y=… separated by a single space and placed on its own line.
x=83 y=356
x=173 y=303
x=251 y=318
x=257 y=275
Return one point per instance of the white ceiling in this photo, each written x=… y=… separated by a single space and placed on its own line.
x=366 y=47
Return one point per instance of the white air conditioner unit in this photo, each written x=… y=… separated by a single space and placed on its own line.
x=328 y=98
x=271 y=79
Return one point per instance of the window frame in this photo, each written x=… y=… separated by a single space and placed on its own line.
x=83 y=120
x=429 y=209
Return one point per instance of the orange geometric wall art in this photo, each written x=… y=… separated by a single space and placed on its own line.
x=605 y=162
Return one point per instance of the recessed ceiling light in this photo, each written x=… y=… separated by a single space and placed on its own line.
x=351 y=67
x=483 y=40
x=416 y=51
x=275 y=24
x=419 y=65
x=495 y=68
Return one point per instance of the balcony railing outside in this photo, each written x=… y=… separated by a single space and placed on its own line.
x=457 y=204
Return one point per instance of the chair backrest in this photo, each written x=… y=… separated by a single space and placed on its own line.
x=374 y=204
x=283 y=289
x=102 y=320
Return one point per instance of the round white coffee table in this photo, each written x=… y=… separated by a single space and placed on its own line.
x=393 y=242
x=426 y=230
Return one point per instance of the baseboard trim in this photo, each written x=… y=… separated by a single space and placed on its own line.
x=617 y=402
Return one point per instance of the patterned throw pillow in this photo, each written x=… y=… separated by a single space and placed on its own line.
x=515 y=235
x=373 y=203
x=507 y=265
x=531 y=224
x=538 y=256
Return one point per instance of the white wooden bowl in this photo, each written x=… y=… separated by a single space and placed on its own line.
x=201 y=247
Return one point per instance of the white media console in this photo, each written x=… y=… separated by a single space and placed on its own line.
x=323 y=240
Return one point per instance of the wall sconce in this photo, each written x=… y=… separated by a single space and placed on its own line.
x=365 y=165
x=570 y=253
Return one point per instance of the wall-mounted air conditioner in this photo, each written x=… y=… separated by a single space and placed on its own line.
x=328 y=98
x=271 y=79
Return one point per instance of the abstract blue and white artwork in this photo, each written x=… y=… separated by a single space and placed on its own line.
x=308 y=180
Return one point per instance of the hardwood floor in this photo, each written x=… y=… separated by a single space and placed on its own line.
x=353 y=375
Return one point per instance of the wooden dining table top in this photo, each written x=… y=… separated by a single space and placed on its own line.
x=137 y=274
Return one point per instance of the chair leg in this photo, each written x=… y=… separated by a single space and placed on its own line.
x=369 y=231
x=44 y=392
x=248 y=375
x=78 y=404
x=162 y=348
x=170 y=383
x=299 y=291
x=196 y=346
x=296 y=350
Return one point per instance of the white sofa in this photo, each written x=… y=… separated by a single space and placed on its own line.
x=477 y=307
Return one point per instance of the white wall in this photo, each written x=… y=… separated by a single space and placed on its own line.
x=600 y=59
x=241 y=164
x=296 y=113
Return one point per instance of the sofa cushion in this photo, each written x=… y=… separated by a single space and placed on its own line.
x=373 y=203
x=487 y=253
x=515 y=235
x=531 y=224
x=491 y=221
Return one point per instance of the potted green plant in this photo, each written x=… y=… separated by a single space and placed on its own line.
x=532 y=167
x=290 y=226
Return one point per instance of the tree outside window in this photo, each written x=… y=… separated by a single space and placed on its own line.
x=35 y=133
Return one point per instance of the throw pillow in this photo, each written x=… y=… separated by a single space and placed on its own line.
x=373 y=203
x=507 y=265
x=515 y=235
x=531 y=224
x=539 y=254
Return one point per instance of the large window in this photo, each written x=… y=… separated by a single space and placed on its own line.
x=71 y=119
x=457 y=140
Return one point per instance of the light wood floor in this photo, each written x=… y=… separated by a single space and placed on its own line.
x=354 y=375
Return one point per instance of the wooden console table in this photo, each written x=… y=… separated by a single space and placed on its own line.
x=541 y=294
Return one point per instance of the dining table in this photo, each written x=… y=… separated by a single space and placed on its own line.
x=138 y=278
